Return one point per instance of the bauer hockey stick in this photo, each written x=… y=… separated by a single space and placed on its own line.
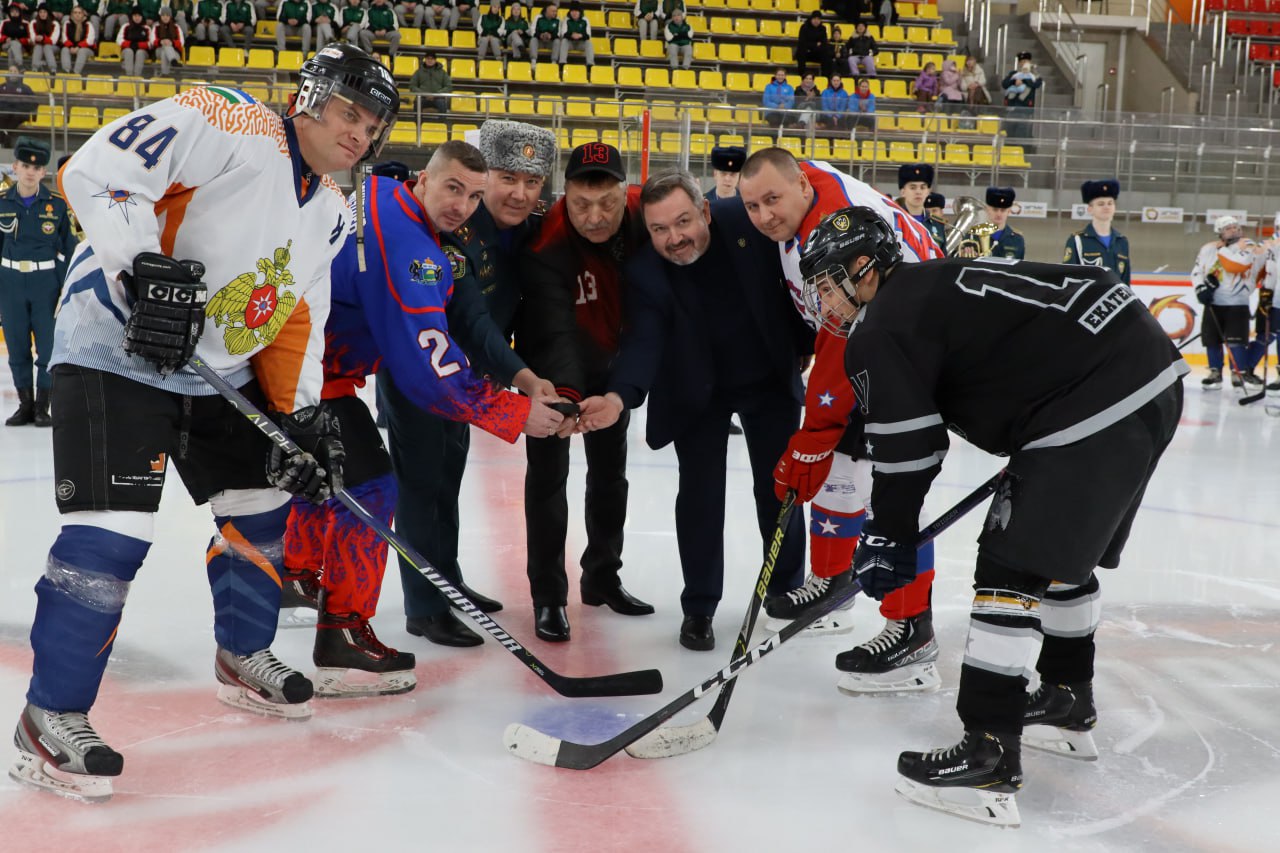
x=677 y=740
x=532 y=745
x=619 y=684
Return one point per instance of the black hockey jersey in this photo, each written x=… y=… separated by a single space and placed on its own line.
x=1009 y=355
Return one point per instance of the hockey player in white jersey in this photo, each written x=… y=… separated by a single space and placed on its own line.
x=206 y=209
x=1224 y=277
x=786 y=199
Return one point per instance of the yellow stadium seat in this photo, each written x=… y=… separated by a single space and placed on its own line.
x=595 y=17
x=762 y=5
x=619 y=20
x=738 y=81
x=289 y=60
x=684 y=79
x=602 y=75
x=721 y=26
x=780 y=54
x=730 y=53
x=404 y=65
x=160 y=89
x=894 y=34
x=704 y=51
x=698 y=22
x=895 y=89
x=714 y=4
x=464 y=39
x=436 y=38
x=956 y=154
x=630 y=76
x=562 y=137
x=581 y=136
x=927 y=152
x=928 y=11
x=911 y=123
x=917 y=35
x=983 y=155
x=201 y=56
x=821 y=149
x=129 y=87
x=905 y=10
x=758 y=142
x=404 y=133
x=110 y=114
x=462 y=105
x=793 y=144
x=941 y=37
x=517 y=72
x=521 y=106
x=608 y=110
x=578 y=109
x=464 y=69
x=843 y=149
x=657 y=78
x=633 y=109
x=907 y=61
x=807 y=6
x=99 y=87
x=620 y=141
x=669 y=143
x=265 y=29
x=47 y=116
x=935 y=58
x=760 y=79
x=547 y=72
x=83 y=118
x=746 y=27
x=490 y=69
x=651 y=49
x=628 y=48
x=873 y=30
x=1014 y=157
x=902 y=152
x=663 y=111
x=574 y=74
x=788 y=6
x=771 y=28
x=872 y=152
x=39 y=83
x=69 y=85
x=410 y=37
x=434 y=133
x=875 y=84
x=712 y=81
x=261 y=58
x=700 y=144
x=108 y=51
x=731 y=140
x=791 y=29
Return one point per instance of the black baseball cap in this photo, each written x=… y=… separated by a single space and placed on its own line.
x=595 y=157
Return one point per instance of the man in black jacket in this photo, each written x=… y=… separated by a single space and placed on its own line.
x=812 y=44
x=703 y=349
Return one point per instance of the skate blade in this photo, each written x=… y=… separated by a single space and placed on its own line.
x=353 y=683
x=296 y=617
x=830 y=625
x=918 y=678
x=245 y=699
x=986 y=807
x=33 y=771
x=1061 y=742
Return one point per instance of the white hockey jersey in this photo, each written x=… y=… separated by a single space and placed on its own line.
x=214 y=176
x=1237 y=267
x=834 y=190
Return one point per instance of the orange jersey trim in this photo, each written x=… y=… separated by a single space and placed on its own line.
x=278 y=366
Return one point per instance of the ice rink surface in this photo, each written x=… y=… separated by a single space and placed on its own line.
x=1188 y=687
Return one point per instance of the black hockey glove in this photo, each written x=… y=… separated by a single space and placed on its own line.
x=168 y=310
x=1204 y=290
x=314 y=472
x=882 y=565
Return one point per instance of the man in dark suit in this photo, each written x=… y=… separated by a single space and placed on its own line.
x=710 y=333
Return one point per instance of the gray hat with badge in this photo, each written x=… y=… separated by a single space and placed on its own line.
x=514 y=146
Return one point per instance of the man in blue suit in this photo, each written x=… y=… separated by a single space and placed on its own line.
x=711 y=332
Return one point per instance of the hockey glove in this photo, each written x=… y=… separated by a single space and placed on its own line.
x=1204 y=290
x=168 y=310
x=882 y=565
x=314 y=471
x=803 y=467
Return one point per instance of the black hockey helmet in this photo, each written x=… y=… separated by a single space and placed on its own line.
x=348 y=72
x=833 y=245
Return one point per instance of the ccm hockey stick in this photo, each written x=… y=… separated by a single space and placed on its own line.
x=532 y=745
x=619 y=684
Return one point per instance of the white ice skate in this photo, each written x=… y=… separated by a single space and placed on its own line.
x=61 y=753
x=261 y=684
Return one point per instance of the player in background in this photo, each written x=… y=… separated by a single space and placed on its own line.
x=785 y=200
x=1082 y=436
x=1224 y=277
x=1267 y=317
x=153 y=187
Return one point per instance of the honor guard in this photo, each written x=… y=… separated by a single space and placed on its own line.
x=35 y=242
x=1098 y=244
x=1005 y=242
x=915 y=180
x=934 y=204
x=726 y=166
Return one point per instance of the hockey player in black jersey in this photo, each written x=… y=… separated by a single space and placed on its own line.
x=1062 y=370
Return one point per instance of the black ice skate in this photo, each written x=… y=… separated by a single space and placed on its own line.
x=1240 y=379
x=299 y=598
x=785 y=608
x=975 y=779
x=260 y=683
x=1213 y=381
x=63 y=754
x=900 y=659
x=351 y=661
x=1059 y=718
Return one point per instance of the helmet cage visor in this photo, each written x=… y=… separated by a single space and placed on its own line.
x=828 y=290
x=317 y=94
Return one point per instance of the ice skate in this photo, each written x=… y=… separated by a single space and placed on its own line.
x=785 y=608
x=900 y=659
x=351 y=661
x=63 y=754
x=1273 y=388
x=1213 y=381
x=839 y=622
x=260 y=683
x=1059 y=718
x=299 y=597
x=975 y=779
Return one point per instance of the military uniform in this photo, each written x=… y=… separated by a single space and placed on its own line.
x=36 y=241
x=909 y=173
x=1005 y=243
x=728 y=158
x=1086 y=247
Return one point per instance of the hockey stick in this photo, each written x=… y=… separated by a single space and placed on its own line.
x=619 y=684
x=532 y=745
x=1266 y=345
x=1231 y=358
x=1188 y=342
x=677 y=740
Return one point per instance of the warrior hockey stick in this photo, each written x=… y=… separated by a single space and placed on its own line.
x=533 y=745
x=677 y=740
x=619 y=684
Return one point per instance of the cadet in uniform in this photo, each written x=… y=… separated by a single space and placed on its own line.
x=36 y=240
x=726 y=168
x=1098 y=244
x=915 y=181
x=933 y=205
x=1005 y=242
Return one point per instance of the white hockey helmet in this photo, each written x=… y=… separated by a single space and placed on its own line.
x=1222 y=223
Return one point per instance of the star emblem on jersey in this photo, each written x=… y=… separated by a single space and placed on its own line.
x=828 y=528
x=253 y=308
x=122 y=199
x=826 y=398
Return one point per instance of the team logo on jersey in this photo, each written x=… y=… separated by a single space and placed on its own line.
x=862 y=390
x=457 y=262
x=425 y=272
x=122 y=199
x=253 y=307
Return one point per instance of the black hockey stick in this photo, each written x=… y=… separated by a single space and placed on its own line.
x=1188 y=342
x=619 y=684
x=677 y=740
x=530 y=744
x=1266 y=345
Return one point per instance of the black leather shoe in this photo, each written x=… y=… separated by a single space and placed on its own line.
x=443 y=630
x=696 y=634
x=617 y=599
x=551 y=624
x=484 y=602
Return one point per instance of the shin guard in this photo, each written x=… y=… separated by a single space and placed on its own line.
x=244 y=562
x=1069 y=615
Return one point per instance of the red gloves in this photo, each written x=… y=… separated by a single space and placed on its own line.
x=804 y=467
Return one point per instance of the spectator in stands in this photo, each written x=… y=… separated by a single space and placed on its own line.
x=150 y=11
x=835 y=105
x=112 y=15
x=813 y=45
x=863 y=105
x=208 y=17
x=79 y=40
x=860 y=51
x=669 y=8
x=808 y=101
x=648 y=15
x=14 y=36
x=679 y=36
x=383 y=27
x=136 y=41
x=431 y=81
x=183 y=11
x=949 y=93
x=973 y=82
x=240 y=20
x=464 y=7
x=355 y=20
x=42 y=34
x=546 y=34
x=293 y=20
x=926 y=86
x=575 y=35
x=168 y=41
x=515 y=30
x=323 y=14
x=779 y=95
x=410 y=13
x=888 y=13
x=489 y=32
x=726 y=170
x=440 y=15
x=17 y=106
x=1020 y=86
